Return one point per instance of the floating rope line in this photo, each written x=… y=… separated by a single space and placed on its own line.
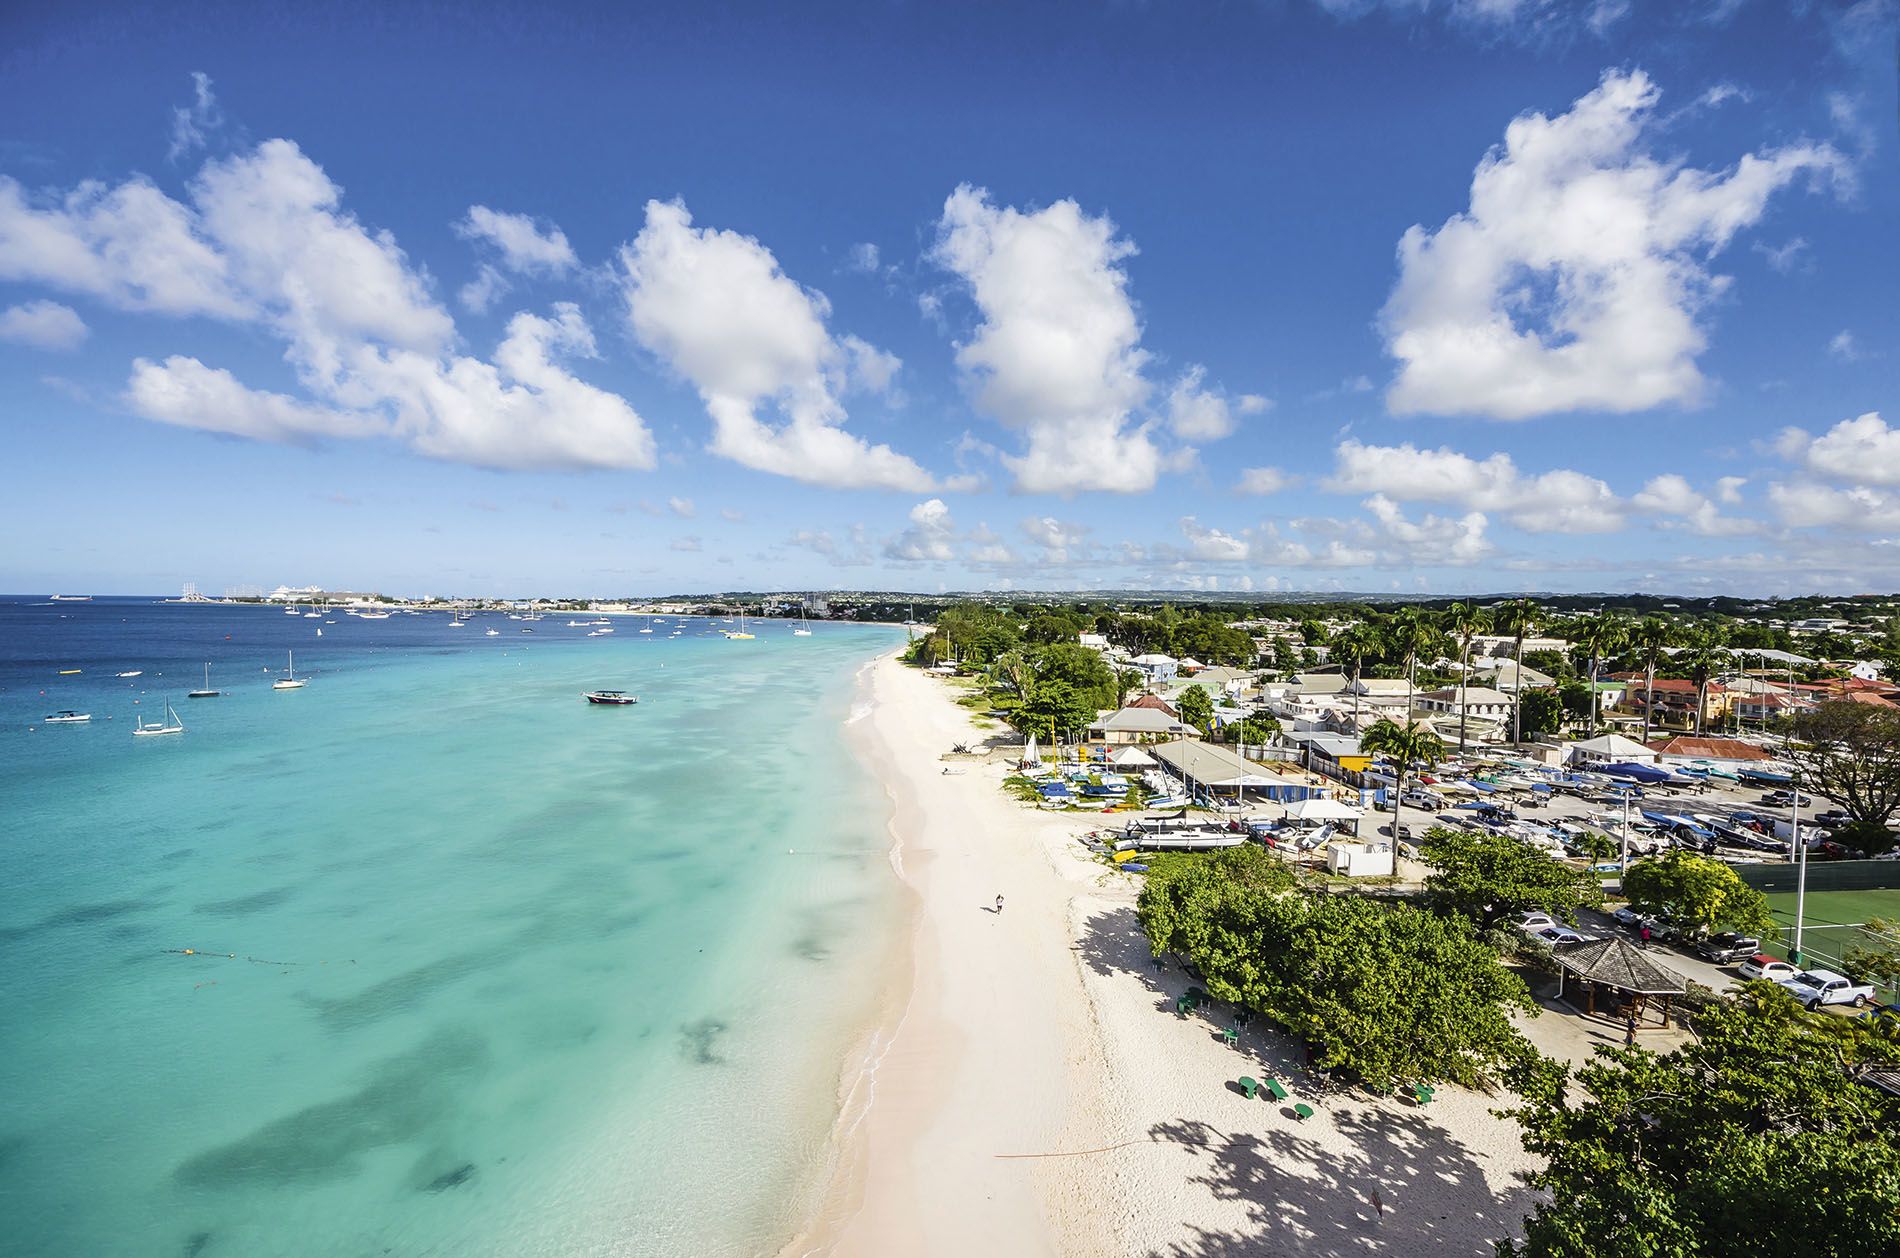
x=232 y=956
x=1110 y=1148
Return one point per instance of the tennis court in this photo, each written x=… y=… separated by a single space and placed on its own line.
x=1833 y=920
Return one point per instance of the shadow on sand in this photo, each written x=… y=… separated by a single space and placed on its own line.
x=1392 y=1191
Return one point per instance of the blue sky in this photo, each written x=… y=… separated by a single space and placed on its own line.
x=1299 y=295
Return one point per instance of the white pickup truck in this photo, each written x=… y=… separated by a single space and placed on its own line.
x=1815 y=988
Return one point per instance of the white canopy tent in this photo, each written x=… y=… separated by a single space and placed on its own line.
x=1131 y=758
x=1322 y=810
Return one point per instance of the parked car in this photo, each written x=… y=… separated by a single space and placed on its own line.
x=1763 y=966
x=1785 y=799
x=1531 y=923
x=1833 y=817
x=1727 y=947
x=1815 y=988
x=1428 y=800
x=1559 y=935
x=1629 y=917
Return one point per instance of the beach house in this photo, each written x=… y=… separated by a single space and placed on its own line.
x=1137 y=724
x=1479 y=703
x=1156 y=667
x=1672 y=700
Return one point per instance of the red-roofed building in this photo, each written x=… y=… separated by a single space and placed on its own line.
x=1674 y=701
x=1770 y=707
x=1158 y=703
x=1686 y=748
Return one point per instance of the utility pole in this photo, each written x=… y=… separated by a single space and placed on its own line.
x=1800 y=854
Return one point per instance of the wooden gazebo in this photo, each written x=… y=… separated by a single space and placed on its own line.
x=1627 y=973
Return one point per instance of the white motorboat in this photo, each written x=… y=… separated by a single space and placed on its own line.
x=458 y=624
x=494 y=633
x=171 y=724
x=610 y=698
x=67 y=717
x=137 y=672
x=290 y=681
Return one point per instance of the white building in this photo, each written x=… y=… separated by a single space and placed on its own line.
x=1480 y=702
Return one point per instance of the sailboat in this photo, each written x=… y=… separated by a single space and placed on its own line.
x=804 y=626
x=740 y=632
x=207 y=692
x=292 y=681
x=171 y=725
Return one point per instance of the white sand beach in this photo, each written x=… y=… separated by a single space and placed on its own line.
x=1032 y=1090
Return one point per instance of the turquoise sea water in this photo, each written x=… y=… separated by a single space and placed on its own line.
x=513 y=974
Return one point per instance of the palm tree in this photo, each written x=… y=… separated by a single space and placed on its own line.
x=1649 y=637
x=1598 y=635
x=1516 y=618
x=1355 y=642
x=1702 y=658
x=1409 y=633
x=1011 y=671
x=1466 y=621
x=1403 y=745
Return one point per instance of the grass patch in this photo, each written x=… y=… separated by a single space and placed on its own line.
x=1831 y=923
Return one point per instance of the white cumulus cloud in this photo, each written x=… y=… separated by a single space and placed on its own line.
x=43 y=325
x=519 y=241
x=265 y=241
x=1560 y=501
x=185 y=392
x=931 y=537
x=716 y=307
x=1263 y=480
x=1057 y=354
x=1578 y=274
x=1862 y=450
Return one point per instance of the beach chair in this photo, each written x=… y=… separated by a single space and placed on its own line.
x=1302 y=1111
x=1231 y=1035
x=1249 y=1087
x=1277 y=1089
x=1420 y=1094
x=1183 y=1005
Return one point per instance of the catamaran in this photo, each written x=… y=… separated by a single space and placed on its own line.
x=291 y=681
x=171 y=724
x=208 y=692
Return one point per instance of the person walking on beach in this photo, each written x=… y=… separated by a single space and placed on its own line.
x=999 y=905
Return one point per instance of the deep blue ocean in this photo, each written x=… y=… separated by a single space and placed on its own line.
x=475 y=967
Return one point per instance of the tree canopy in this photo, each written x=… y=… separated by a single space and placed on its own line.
x=1196 y=707
x=1388 y=992
x=1696 y=893
x=1850 y=752
x=1488 y=877
x=1755 y=1138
